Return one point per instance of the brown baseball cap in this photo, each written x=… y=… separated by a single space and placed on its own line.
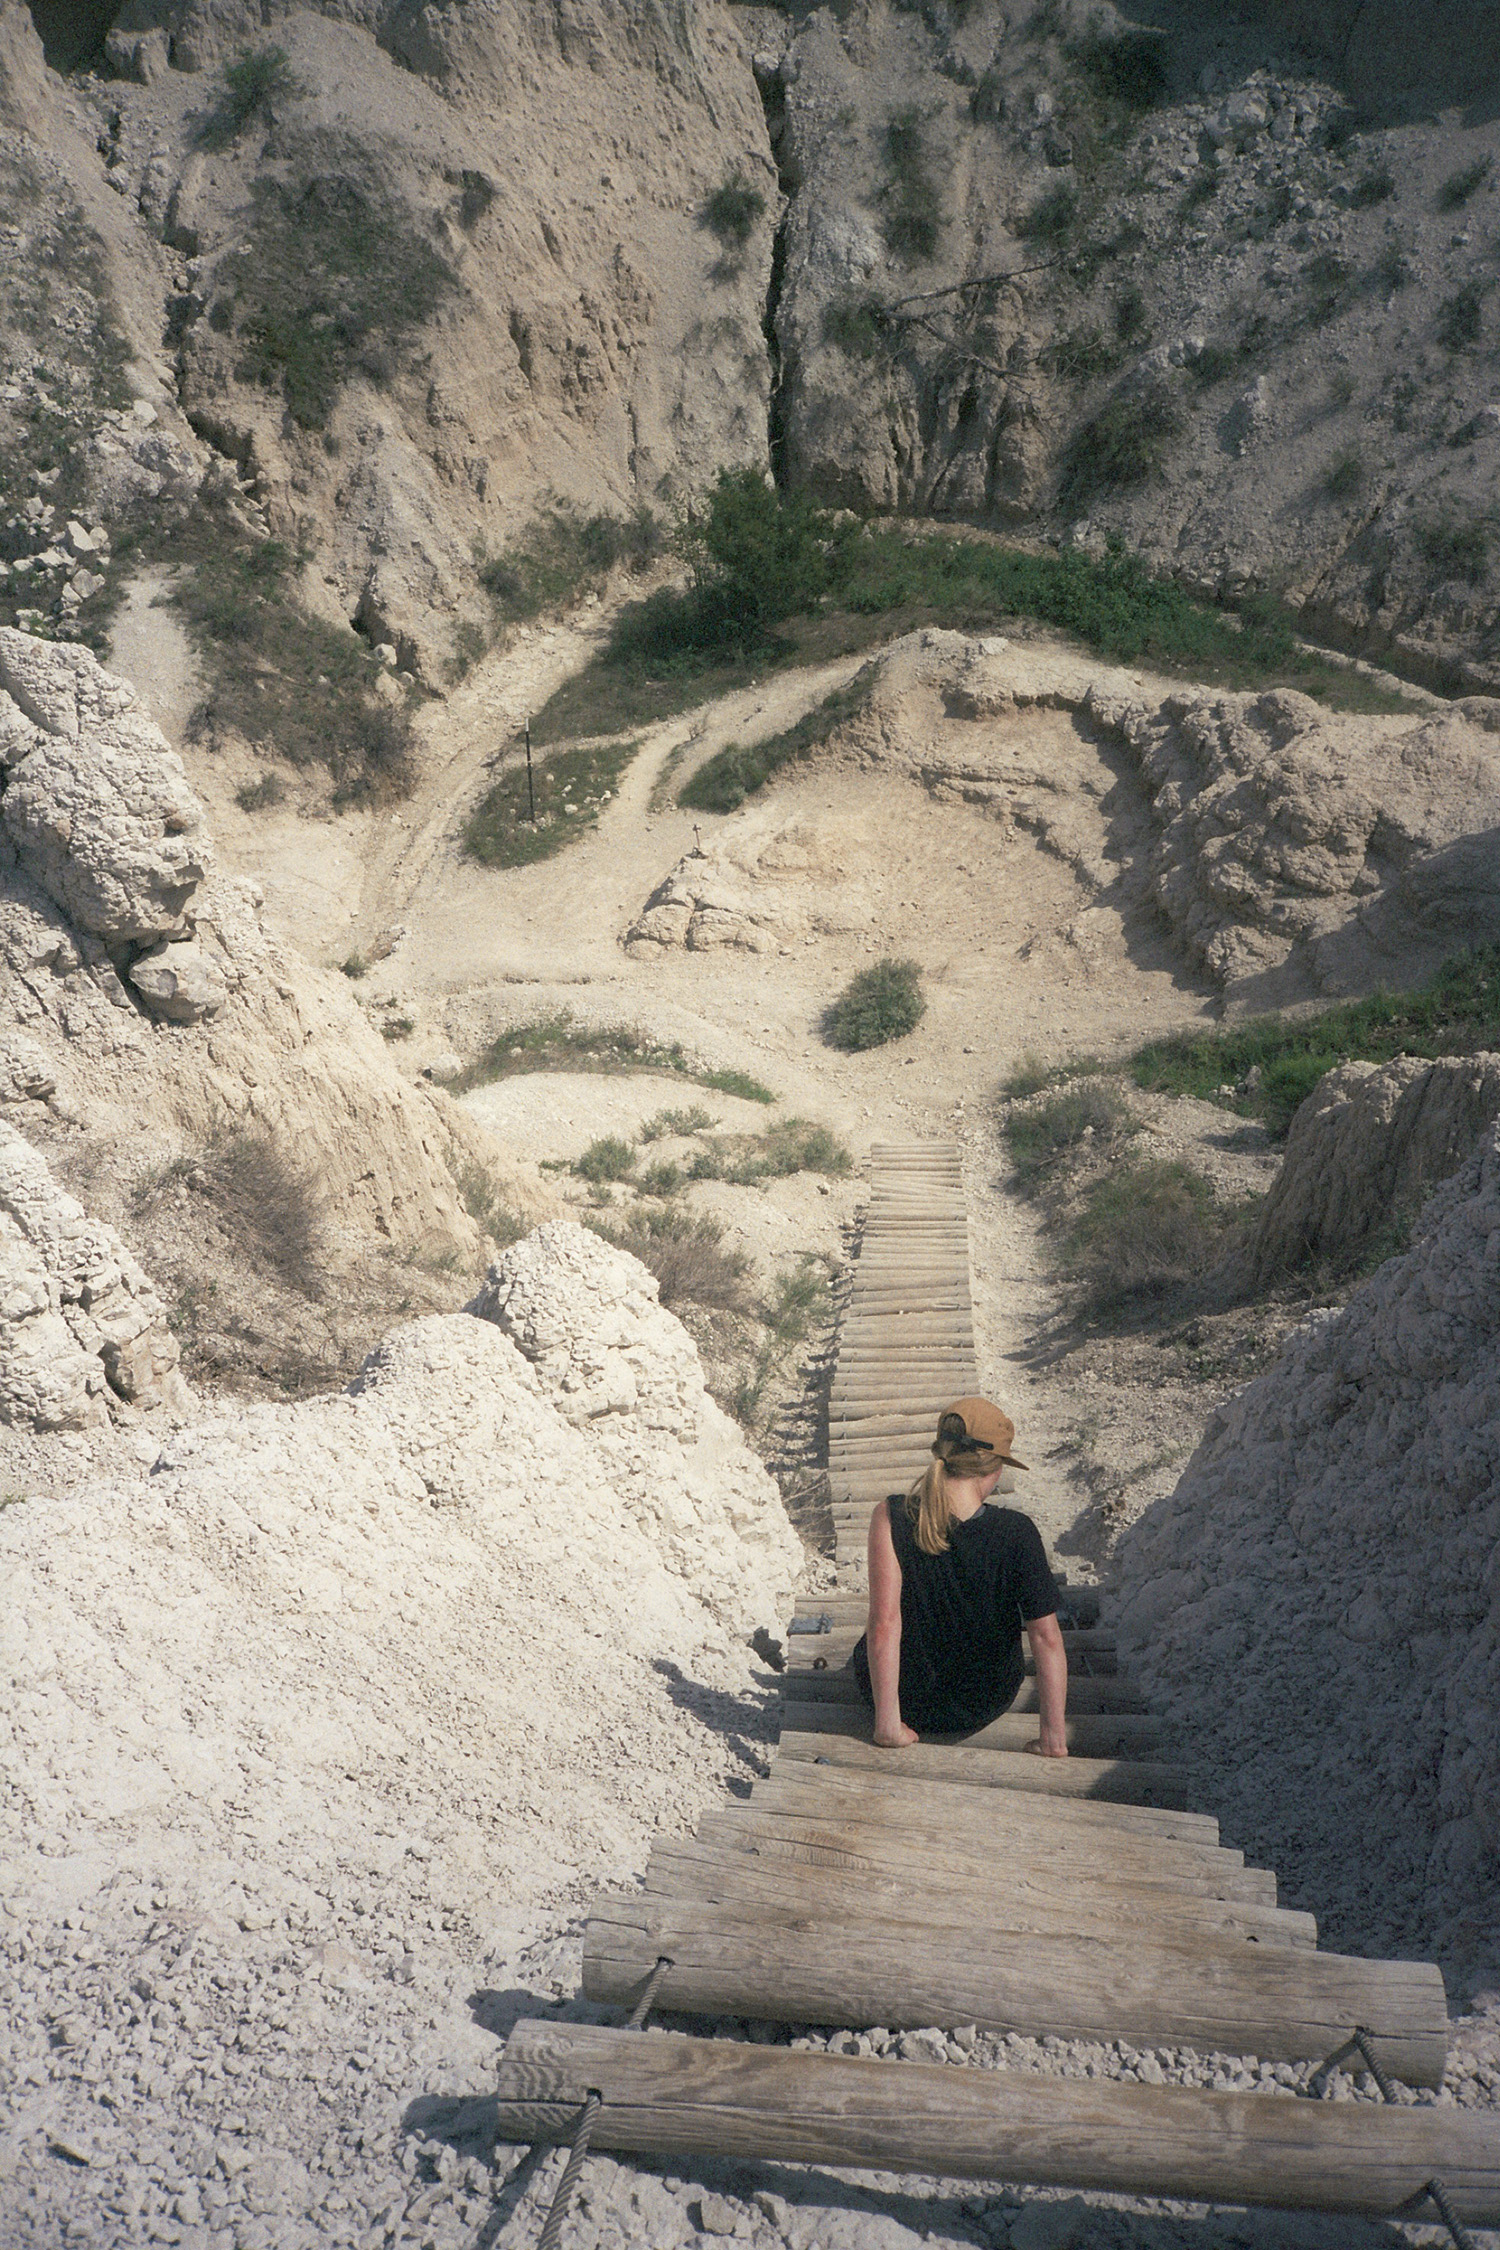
x=984 y=1430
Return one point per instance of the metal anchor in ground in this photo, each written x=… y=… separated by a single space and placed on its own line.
x=1359 y=2044
x=583 y=2131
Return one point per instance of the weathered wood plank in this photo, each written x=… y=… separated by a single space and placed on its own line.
x=1090 y=1734
x=961 y=1808
x=1128 y=1780
x=705 y=2097
x=1084 y=1694
x=1016 y=1897
x=1279 y=2003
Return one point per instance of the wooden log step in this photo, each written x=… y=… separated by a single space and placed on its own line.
x=1008 y=1904
x=829 y=1652
x=1280 y=2003
x=1131 y=1781
x=1090 y=1861
x=1090 y=1734
x=670 y=2095
x=1084 y=1695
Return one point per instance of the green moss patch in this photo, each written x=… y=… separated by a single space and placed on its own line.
x=570 y=789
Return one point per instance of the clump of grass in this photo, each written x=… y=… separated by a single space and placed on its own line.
x=556 y=1042
x=398 y=1027
x=800 y=1300
x=1461 y=318
x=792 y=1144
x=661 y=1178
x=687 y=1255
x=254 y=83
x=260 y=795
x=1214 y=364
x=1329 y=284
x=723 y=782
x=734 y=211
x=1029 y=1075
x=486 y=1206
x=571 y=789
x=679 y=1122
x=608 y=1158
x=1141 y=1230
x=1124 y=444
x=1393 y=268
x=856 y=326
x=1372 y=187
x=562 y=556
x=332 y=277
x=1459 y=186
x=1052 y=219
x=913 y=220
x=1130 y=69
x=271 y=1204
x=1131 y=324
x=1081 y=353
x=882 y=1003
x=1345 y=475
x=1456 y=550
x=354 y=966
x=1039 y=1138
x=1456 y=1012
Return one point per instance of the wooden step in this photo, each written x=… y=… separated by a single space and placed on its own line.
x=718 y=2098
x=1084 y=1695
x=1136 y=1781
x=1090 y=1734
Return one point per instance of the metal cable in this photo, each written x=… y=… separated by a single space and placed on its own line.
x=1359 y=2043
x=583 y=2131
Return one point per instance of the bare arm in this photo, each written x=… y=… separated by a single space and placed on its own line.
x=883 y=1634
x=1051 y=1657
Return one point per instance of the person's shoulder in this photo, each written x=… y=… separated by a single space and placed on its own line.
x=1013 y=1525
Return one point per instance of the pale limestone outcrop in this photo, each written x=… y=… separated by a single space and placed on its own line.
x=97 y=809
x=625 y=1372
x=1318 y=1602
x=82 y=1330
x=1366 y=1149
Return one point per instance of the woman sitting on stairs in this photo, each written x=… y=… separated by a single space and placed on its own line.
x=952 y=1583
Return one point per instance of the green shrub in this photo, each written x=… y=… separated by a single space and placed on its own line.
x=1142 y=1229
x=723 y=782
x=1345 y=475
x=1126 y=442
x=398 y=1027
x=913 y=206
x=254 y=83
x=1374 y=187
x=791 y=1145
x=1214 y=364
x=487 y=1207
x=1393 y=268
x=354 y=966
x=677 y=1121
x=686 y=1254
x=661 y=1178
x=737 y=1082
x=1329 y=284
x=1037 y=1138
x=1460 y=317
x=1052 y=219
x=1029 y=1075
x=570 y=788
x=1456 y=1012
x=256 y=796
x=882 y=1003
x=1456 y=550
x=608 y=1158
x=1130 y=69
x=562 y=556
x=1131 y=324
x=333 y=276
x=733 y=211
x=857 y=326
x=1081 y=354
x=556 y=1042
x=1459 y=186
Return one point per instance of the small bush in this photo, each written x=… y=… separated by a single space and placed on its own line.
x=354 y=965
x=259 y=796
x=1329 y=285
x=1130 y=69
x=1393 y=268
x=663 y=1178
x=477 y=196
x=1215 y=364
x=1037 y=1138
x=1374 y=187
x=398 y=1027
x=606 y=1159
x=1131 y=324
x=1142 y=1229
x=1029 y=1075
x=1081 y=354
x=677 y=1121
x=255 y=83
x=913 y=205
x=1456 y=550
x=270 y=1204
x=1459 y=186
x=1051 y=220
x=734 y=211
x=556 y=1042
x=570 y=788
x=563 y=556
x=1126 y=442
x=486 y=1207
x=687 y=1256
x=856 y=326
x=791 y=1145
x=882 y=1003
x=735 y=1082
x=1461 y=318
x=1345 y=475
x=723 y=782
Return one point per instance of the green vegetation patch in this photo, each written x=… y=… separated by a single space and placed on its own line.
x=1456 y=549
x=556 y=1042
x=1126 y=442
x=734 y=211
x=1267 y=1067
x=571 y=789
x=913 y=204
x=884 y=1002
x=332 y=277
x=1038 y=1138
x=1461 y=318
x=289 y=682
x=563 y=555
x=254 y=83
x=1130 y=69
x=686 y=1253
x=791 y=1144
x=606 y=1159
x=723 y=782
x=1141 y=1230
x=1459 y=186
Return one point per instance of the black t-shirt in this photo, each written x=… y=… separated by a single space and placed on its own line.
x=961 y=1617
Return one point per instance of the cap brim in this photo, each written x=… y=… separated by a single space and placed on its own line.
x=1012 y=1463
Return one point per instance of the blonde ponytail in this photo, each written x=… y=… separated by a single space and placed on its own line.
x=931 y=1509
